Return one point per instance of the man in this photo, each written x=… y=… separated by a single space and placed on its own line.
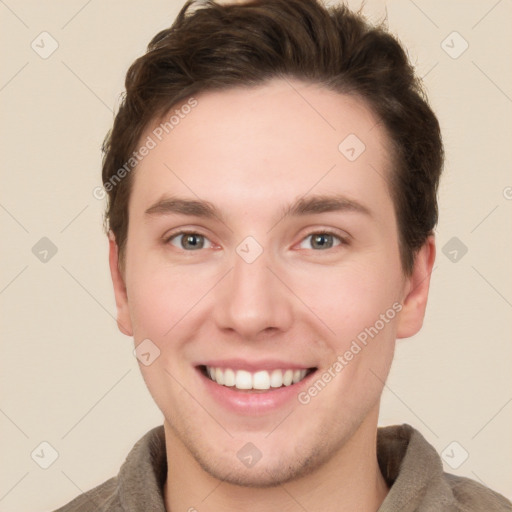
x=272 y=177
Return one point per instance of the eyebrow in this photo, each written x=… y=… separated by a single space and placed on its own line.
x=196 y=208
x=303 y=206
x=325 y=203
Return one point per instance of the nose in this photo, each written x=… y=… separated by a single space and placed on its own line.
x=252 y=301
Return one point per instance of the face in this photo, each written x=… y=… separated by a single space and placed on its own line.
x=262 y=262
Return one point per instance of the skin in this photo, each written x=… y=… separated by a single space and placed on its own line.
x=251 y=152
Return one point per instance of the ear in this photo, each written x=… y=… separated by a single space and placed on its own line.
x=124 y=322
x=416 y=291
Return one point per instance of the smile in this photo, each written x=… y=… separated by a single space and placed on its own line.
x=261 y=380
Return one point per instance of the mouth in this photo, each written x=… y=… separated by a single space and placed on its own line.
x=259 y=381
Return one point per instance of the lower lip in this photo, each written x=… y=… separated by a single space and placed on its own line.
x=255 y=403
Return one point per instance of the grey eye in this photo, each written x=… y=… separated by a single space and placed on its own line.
x=320 y=241
x=189 y=241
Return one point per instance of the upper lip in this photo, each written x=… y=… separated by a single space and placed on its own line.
x=253 y=366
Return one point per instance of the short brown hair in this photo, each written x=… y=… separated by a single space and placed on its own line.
x=212 y=47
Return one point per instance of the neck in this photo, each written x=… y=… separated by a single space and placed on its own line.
x=351 y=480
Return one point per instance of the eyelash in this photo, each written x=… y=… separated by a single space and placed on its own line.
x=169 y=238
x=343 y=241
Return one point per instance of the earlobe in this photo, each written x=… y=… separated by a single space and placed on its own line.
x=123 y=314
x=416 y=291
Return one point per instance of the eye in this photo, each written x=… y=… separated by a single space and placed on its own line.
x=321 y=241
x=190 y=241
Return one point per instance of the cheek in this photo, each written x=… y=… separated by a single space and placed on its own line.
x=360 y=309
x=156 y=304
x=348 y=299
x=162 y=296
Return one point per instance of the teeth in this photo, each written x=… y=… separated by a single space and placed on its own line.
x=243 y=379
x=229 y=377
x=287 y=377
x=276 y=379
x=219 y=376
x=263 y=380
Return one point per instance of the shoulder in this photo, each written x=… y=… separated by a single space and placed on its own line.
x=137 y=486
x=471 y=496
x=103 y=497
x=414 y=472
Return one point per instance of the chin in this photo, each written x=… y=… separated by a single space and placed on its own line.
x=263 y=474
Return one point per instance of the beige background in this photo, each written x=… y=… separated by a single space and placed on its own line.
x=69 y=378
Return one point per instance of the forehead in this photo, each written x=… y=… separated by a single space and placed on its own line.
x=263 y=145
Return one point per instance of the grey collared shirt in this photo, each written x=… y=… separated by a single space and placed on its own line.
x=411 y=466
